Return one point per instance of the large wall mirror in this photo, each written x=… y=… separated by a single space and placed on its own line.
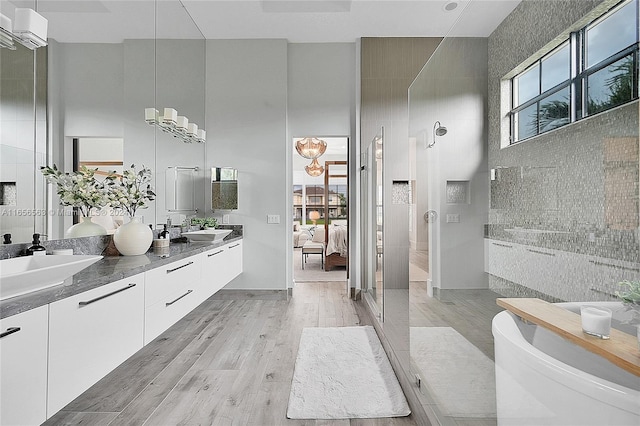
x=23 y=88
x=105 y=63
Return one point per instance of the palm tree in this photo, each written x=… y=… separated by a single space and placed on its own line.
x=619 y=85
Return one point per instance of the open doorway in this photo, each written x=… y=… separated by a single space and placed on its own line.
x=320 y=209
x=106 y=156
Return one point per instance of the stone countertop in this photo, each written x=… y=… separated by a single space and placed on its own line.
x=107 y=270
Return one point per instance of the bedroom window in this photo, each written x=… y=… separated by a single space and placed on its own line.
x=594 y=70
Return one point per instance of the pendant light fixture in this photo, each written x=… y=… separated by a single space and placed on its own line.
x=311 y=148
x=314 y=169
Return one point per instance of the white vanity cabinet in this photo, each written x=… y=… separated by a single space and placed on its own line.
x=554 y=272
x=23 y=367
x=234 y=266
x=172 y=291
x=90 y=334
x=51 y=354
x=219 y=267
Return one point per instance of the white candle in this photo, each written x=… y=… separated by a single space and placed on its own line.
x=596 y=321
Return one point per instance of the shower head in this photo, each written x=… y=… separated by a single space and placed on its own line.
x=438 y=130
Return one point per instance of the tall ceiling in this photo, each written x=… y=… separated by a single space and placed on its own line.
x=298 y=21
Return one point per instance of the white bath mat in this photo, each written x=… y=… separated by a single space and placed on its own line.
x=343 y=373
x=460 y=377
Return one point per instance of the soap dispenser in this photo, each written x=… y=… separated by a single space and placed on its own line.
x=36 y=249
x=165 y=233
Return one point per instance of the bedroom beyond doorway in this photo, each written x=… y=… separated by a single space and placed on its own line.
x=320 y=208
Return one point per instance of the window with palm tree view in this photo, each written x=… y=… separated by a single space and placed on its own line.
x=308 y=198
x=592 y=71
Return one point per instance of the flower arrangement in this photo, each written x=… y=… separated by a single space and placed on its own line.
x=130 y=192
x=78 y=189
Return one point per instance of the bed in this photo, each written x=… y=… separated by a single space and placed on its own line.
x=336 y=251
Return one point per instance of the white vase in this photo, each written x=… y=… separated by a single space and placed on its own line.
x=86 y=228
x=133 y=238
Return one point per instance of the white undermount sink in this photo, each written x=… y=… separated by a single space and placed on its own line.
x=207 y=235
x=25 y=274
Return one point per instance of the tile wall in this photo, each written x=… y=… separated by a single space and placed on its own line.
x=570 y=194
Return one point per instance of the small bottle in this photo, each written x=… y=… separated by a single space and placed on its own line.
x=36 y=249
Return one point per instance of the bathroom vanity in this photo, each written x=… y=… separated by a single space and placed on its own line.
x=58 y=342
x=555 y=272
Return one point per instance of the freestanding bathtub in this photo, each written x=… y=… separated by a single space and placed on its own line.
x=543 y=379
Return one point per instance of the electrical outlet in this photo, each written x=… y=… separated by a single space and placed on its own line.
x=225 y=218
x=273 y=218
x=453 y=218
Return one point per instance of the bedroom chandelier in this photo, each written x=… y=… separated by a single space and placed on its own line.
x=314 y=169
x=311 y=148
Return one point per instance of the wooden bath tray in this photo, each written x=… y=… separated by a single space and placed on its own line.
x=621 y=349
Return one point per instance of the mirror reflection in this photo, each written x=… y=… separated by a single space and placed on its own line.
x=23 y=84
x=540 y=202
x=99 y=72
x=372 y=197
x=224 y=188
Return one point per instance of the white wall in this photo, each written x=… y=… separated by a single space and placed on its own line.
x=321 y=89
x=322 y=102
x=260 y=95
x=246 y=119
x=452 y=89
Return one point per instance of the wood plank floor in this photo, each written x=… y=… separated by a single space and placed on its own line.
x=229 y=362
x=469 y=312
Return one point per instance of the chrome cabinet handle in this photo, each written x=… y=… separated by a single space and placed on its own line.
x=502 y=245
x=236 y=245
x=213 y=254
x=175 y=300
x=9 y=331
x=179 y=267
x=541 y=252
x=88 y=302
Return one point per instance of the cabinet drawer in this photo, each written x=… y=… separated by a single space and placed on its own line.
x=163 y=314
x=163 y=282
x=23 y=367
x=214 y=263
x=234 y=266
x=90 y=334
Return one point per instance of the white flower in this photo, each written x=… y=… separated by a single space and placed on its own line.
x=132 y=191
x=80 y=189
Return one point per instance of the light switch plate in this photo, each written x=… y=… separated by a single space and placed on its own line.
x=225 y=218
x=273 y=218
